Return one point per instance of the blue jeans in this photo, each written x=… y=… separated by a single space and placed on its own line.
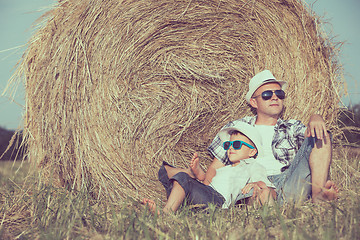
x=195 y=191
x=293 y=183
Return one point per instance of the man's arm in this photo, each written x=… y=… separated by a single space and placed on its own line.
x=316 y=127
x=211 y=171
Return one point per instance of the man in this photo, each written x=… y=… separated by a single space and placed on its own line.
x=298 y=157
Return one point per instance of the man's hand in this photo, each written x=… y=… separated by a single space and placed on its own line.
x=316 y=127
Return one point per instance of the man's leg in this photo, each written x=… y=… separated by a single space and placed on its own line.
x=319 y=162
x=295 y=182
x=309 y=171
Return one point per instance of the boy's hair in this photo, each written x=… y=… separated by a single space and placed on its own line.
x=236 y=132
x=252 y=134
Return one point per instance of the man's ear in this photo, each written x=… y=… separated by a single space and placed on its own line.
x=253 y=102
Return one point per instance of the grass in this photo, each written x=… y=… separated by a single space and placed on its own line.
x=45 y=212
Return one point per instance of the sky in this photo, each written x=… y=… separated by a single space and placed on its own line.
x=17 y=17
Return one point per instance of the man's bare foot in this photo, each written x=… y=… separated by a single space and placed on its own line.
x=196 y=169
x=151 y=205
x=328 y=193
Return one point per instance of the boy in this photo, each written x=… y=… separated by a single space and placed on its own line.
x=242 y=143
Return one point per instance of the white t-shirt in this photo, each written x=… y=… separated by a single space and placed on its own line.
x=272 y=166
x=229 y=180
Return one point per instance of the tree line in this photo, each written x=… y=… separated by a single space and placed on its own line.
x=349 y=122
x=15 y=150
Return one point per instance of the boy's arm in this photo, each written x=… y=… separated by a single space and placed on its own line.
x=211 y=171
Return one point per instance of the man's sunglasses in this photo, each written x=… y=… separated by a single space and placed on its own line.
x=237 y=144
x=266 y=95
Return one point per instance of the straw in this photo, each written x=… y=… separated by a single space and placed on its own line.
x=113 y=88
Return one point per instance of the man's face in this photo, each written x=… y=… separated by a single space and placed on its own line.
x=271 y=107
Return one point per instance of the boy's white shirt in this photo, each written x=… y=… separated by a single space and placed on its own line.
x=229 y=180
x=272 y=166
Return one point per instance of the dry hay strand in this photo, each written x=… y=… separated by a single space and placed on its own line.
x=113 y=88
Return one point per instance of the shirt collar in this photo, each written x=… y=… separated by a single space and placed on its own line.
x=252 y=120
x=280 y=123
x=283 y=124
x=249 y=160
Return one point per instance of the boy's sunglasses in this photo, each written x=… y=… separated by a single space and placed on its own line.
x=266 y=95
x=237 y=144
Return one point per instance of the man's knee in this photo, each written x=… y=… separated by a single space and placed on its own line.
x=321 y=153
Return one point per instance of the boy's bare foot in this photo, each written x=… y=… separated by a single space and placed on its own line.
x=151 y=205
x=329 y=192
x=196 y=169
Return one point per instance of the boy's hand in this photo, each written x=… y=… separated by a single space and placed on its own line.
x=256 y=185
x=316 y=127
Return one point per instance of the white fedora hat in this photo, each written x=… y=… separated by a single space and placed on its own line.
x=260 y=79
x=248 y=130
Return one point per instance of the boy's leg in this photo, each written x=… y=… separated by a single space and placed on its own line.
x=171 y=170
x=164 y=179
x=166 y=172
x=175 y=199
x=197 y=192
x=151 y=205
x=185 y=186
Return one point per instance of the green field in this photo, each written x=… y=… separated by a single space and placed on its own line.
x=38 y=211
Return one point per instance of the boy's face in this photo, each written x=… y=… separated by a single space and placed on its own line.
x=243 y=153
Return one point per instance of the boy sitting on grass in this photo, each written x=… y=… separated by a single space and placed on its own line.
x=242 y=143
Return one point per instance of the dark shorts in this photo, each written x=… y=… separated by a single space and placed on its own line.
x=195 y=191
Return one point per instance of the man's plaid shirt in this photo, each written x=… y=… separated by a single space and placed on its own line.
x=288 y=137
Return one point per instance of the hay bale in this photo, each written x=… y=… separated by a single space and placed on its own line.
x=113 y=88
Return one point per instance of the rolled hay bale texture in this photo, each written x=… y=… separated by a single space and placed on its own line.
x=113 y=87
